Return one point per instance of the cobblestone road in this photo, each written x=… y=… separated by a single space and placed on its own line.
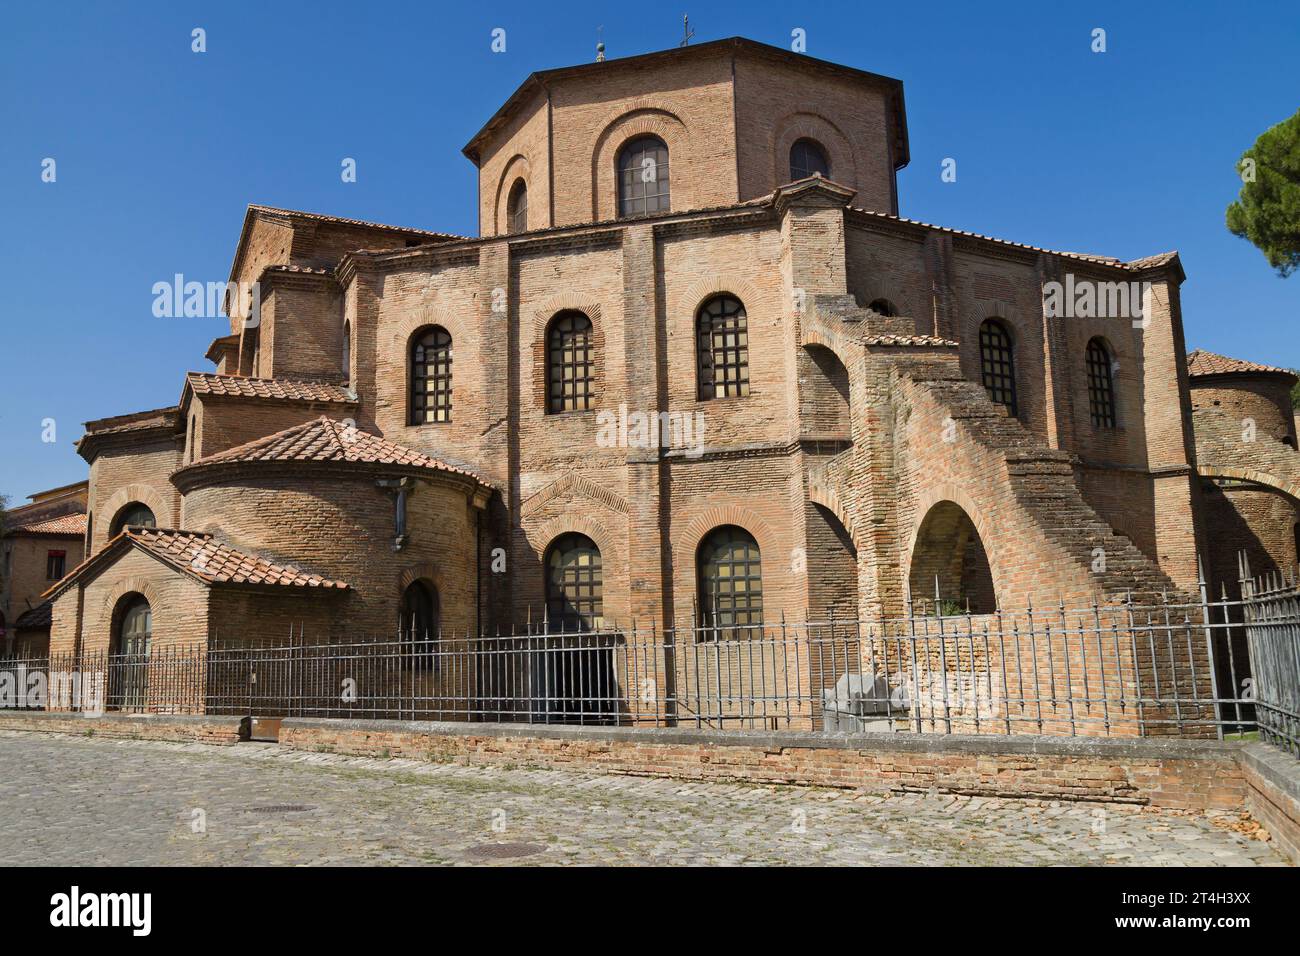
x=80 y=800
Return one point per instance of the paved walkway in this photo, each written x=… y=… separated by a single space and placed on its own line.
x=82 y=800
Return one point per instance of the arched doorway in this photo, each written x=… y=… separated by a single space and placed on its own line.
x=418 y=626
x=950 y=572
x=128 y=664
x=578 y=660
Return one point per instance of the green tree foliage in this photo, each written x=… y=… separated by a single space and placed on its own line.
x=1267 y=211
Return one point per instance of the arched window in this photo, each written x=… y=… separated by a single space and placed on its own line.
x=574 y=599
x=643 y=177
x=431 y=376
x=569 y=363
x=722 y=348
x=128 y=665
x=347 y=351
x=808 y=157
x=1101 y=385
x=883 y=307
x=997 y=364
x=730 y=583
x=517 y=208
x=418 y=626
x=132 y=515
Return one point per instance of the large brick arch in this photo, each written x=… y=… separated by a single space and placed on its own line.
x=643 y=118
x=950 y=493
x=807 y=125
x=1288 y=487
x=691 y=297
x=517 y=168
x=820 y=494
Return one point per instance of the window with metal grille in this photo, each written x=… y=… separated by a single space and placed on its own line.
x=1101 y=385
x=431 y=376
x=569 y=363
x=574 y=599
x=722 y=347
x=517 y=207
x=730 y=586
x=997 y=364
x=643 y=177
x=808 y=157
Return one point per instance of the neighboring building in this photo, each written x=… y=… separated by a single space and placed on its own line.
x=40 y=542
x=1246 y=450
x=446 y=432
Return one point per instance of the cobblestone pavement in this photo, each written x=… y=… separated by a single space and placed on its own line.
x=81 y=800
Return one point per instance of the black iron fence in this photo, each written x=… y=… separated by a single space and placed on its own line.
x=1196 y=668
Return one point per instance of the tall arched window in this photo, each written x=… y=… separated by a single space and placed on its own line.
x=128 y=679
x=1101 y=385
x=347 y=351
x=569 y=363
x=722 y=348
x=418 y=625
x=574 y=599
x=431 y=376
x=808 y=157
x=883 y=307
x=730 y=582
x=997 y=364
x=517 y=208
x=643 y=177
x=134 y=514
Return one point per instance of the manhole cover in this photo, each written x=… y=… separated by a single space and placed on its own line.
x=279 y=808
x=503 y=851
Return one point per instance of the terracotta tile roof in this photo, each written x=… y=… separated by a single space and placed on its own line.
x=135 y=421
x=204 y=557
x=1201 y=362
x=35 y=619
x=210 y=383
x=909 y=340
x=73 y=524
x=326 y=440
x=1135 y=265
x=342 y=221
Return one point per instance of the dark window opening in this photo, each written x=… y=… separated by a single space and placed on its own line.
x=722 y=348
x=1101 y=385
x=997 y=364
x=730 y=584
x=55 y=565
x=643 y=177
x=808 y=157
x=574 y=572
x=517 y=208
x=431 y=376
x=570 y=364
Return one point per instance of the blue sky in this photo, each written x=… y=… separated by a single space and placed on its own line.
x=158 y=149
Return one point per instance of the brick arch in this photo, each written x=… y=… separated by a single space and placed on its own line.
x=517 y=168
x=614 y=587
x=578 y=485
x=145 y=495
x=1288 y=487
x=131 y=585
x=542 y=317
x=642 y=118
x=420 y=572
x=808 y=125
x=706 y=287
x=885 y=287
x=819 y=494
x=947 y=493
x=829 y=339
x=696 y=528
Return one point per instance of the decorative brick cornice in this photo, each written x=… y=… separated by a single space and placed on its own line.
x=576 y=484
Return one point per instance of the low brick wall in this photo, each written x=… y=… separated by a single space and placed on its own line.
x=1183 y=774
x=208 y=730
x=1273 y=794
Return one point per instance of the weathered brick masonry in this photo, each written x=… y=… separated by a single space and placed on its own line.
x=864 y=456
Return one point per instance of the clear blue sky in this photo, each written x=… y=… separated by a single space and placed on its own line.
x=159 y=149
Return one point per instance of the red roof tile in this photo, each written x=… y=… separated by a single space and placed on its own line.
x=209 y=383
x=326 y=440
x=340 y=220
x=208 y=559
x=1201 y=362
x=909 y=340
x=135 y=421
x=37 y=618
x=64 y=524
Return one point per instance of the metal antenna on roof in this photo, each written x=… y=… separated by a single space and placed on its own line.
x=687 y=32
x=600 y=45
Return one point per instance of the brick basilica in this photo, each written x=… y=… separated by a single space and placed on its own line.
x=413 y=427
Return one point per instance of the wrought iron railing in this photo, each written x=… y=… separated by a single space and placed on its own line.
x=1197 y=668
